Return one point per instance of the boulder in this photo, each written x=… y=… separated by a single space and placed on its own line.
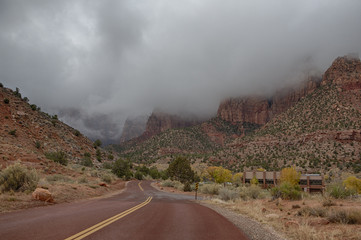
x=42 y=194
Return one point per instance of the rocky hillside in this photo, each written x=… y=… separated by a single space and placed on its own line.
x=26 y=133
x=316 y=128
x=133 y=128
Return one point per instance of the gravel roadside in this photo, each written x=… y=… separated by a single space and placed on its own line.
x=253 y=229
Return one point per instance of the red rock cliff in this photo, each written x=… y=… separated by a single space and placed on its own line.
x=260 y=110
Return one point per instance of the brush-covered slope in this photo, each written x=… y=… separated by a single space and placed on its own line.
x=26 y=133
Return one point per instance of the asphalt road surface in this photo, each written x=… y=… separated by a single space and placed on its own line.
x=140 y=212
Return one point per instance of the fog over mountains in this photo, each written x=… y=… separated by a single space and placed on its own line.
x=94 y=63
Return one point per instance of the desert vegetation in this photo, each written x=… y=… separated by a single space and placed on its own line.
x=333 y=214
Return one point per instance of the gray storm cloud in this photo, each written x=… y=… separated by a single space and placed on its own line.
x=97 y=62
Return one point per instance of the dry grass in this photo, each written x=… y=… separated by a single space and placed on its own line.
x=313 y=223
x=64 y=188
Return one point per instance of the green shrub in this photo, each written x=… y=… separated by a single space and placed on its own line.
x=86 y=161
x=13 y=132
x=83 y=179
x=338 y=190
x=17 y=92
x=138 y=175
x=6 y=101
x=187 y=187
x=37 y=144
x=77 y=133
x=287 y=191
x=18 y=178
x=1 y=85
x=99 y=155
x=121 y=168
x=168 y=183
x=107 y=178
x=33 y=107
x=180 y=169
x=153 y=172
x=227 y=194
x=175 y=184
x=59 y=157
x=251 y=192
x=107 y=165
x=345 y=216
x=212 y=189
x=97 y=143
x=164 y=174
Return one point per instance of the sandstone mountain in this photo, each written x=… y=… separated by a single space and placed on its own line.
x=315 y=127
x=26 y=133
x=260 y=110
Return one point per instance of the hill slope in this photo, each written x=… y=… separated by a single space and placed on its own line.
x=26 y=133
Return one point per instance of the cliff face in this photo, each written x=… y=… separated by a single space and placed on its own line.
x=133 y=128
x=159 y=122
x=259 y=110
x=252 y=109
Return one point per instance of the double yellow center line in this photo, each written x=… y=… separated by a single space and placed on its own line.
x=108 y=221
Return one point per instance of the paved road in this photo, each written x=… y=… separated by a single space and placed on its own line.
x=140 y=212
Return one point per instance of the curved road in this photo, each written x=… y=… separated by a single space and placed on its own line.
x=140 y=212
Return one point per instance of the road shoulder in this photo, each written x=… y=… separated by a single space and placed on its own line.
x=253 y=229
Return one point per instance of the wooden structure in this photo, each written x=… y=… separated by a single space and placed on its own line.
x=308 y=182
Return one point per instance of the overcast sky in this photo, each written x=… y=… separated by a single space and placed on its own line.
x=96 y=62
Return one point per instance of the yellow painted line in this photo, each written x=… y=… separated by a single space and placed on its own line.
x=108 y=221
x=140 y=186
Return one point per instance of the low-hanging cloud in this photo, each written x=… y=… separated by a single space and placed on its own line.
x=97 y=62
